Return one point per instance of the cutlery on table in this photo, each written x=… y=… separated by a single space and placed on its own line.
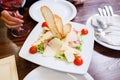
x=106 y=11
x=102 y=26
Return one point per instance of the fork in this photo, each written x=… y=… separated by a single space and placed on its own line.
x=106 y=11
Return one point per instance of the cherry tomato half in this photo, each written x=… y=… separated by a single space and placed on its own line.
x=78 y=61
x=84 y=31
x=44 y=24
x=33 y=49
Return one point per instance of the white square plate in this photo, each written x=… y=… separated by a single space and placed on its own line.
x=53 y=63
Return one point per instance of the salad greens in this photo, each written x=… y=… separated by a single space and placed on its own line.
x=61 y=57
x=40 y=47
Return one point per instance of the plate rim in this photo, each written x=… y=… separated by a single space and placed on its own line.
x=98 y=41
x=35 y=70
x=41 y=68
x=57 y=1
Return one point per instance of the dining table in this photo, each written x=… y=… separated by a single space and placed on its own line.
x=105 y=62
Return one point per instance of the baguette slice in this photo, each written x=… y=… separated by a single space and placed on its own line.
x=59 y=24
x=49 y=18
x=67 y=29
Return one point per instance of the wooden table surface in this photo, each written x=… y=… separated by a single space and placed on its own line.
x=105 y=63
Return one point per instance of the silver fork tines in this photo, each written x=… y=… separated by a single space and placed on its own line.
x=106 y=11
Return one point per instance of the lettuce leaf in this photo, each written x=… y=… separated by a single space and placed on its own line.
x=61 y=57
x=40 y=47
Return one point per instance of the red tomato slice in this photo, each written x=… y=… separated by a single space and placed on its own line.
x=84 y=31
x=78 y=61
x=44 y=24
x=33 y=49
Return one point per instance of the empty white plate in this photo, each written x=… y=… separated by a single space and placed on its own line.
x=62 y=8
x=42 y=73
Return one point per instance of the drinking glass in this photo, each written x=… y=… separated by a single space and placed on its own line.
x=13 y=6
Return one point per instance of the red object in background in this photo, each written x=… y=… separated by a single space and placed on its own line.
x=10 y=4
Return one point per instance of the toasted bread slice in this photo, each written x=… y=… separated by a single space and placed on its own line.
x=49 y=18
x=67 y=29
x=59 y=24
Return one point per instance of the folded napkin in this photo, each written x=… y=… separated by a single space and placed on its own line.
x=108 y=20
x=8 y=69
x=112 y=38
x=112 y=29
